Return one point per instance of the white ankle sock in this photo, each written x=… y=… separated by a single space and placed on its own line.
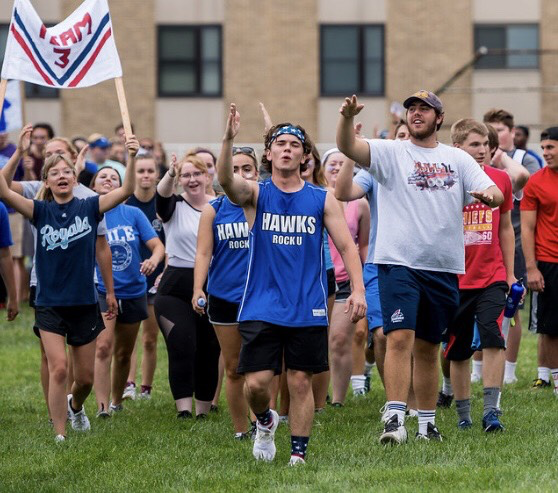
x=477 y=368
x=357 y=382
x=509 y=371
x=398 y=408
x=446 y=386
x=425 y=417
x=544 y=373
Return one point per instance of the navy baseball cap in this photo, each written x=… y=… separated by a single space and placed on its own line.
x=427 y=97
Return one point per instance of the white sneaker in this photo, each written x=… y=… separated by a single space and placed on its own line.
x=145 y=395
x=59 y=438
x=510 y=379
x=115 y=408
x=296 y=461
x=79 y=420
x=394 y=432
x=264 y=444
x=284 y=419
x=130 y=391
x=475 y=378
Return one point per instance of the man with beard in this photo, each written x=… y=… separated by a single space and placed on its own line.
x=423 y=186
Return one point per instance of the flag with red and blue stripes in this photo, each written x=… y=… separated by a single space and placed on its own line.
x=78 y=52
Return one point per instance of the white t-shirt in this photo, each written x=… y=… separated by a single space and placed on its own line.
x=421 y=195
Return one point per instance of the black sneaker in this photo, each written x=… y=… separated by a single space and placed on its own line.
x=213 y=409
x=337 y=404
x=444 y=400
x=539 y=383
x=184 y=415
x=242 y=436
x=432 y=433
x=253 y=430
x=201 y=416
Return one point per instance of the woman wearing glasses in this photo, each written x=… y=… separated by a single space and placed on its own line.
x=223 y=251
x=193 y=349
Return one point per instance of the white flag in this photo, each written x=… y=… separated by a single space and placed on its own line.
x=10 y=119
x=78 y=52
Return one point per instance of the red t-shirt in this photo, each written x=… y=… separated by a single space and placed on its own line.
x=541 y=195
x=484 y=262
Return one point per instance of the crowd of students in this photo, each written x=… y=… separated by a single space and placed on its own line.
x=373 y=254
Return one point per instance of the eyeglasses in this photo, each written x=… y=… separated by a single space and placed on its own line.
x=56 y=173
x=188 y=176
x=245 y=150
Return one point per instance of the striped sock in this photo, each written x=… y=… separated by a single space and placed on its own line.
x=425 y=417
x=358 y=382
x=398 y=408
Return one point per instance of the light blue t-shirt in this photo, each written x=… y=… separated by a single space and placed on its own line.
x=370 y=187
x=127 y=228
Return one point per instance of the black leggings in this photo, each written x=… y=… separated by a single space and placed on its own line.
x=192 y=345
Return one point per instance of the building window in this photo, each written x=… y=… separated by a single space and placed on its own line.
x=351 y=60
x=190 y=61
x=31 y=90
x=508 y=37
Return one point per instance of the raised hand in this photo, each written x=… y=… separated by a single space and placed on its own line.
x=267 y=119
x=80 y=160
x=132 y=145
x=24 y=142
x=233 y=123
x=351 y=108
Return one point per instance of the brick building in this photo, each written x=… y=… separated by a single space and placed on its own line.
x=184 y=60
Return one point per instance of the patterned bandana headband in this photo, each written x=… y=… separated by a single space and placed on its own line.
x=288 y=129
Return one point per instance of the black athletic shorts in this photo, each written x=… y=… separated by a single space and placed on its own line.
x=343 y=291
x=264 y=344
x=80 y=324
x=485 y=307
x=130 y=311
x=222 y=312
x=547 y=300
x=331 y=284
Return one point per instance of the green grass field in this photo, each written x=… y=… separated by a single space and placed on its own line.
x=146 y=449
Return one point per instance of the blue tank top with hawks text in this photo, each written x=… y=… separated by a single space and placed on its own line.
x=227 y=272
x=286 y=283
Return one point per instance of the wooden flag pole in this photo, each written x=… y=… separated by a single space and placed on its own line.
x=3 y=87
x=123 y=106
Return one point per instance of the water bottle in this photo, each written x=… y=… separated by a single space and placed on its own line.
x=476 y=342
x=513 y=299
x=201 y=302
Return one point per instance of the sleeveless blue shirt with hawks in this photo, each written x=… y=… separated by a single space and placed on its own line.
x=286 y=282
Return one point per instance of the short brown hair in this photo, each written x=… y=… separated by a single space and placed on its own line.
x=461 y=129
x=71 y=147
x=499 y=116
x=268 y=140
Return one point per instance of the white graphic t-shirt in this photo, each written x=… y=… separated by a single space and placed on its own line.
x=421 y=195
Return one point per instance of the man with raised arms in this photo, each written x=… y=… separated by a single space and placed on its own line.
x=423 y=186
x=284 y=307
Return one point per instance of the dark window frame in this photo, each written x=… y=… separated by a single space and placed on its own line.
x=505 y=26
x=29 y=88
x=198 y=61
x=361 y=59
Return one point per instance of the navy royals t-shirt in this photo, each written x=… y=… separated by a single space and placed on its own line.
x=65 y=251
x=148 y=208
x=127 y=228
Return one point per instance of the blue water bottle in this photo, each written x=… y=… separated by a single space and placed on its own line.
x=201 y=302
x=513 y=299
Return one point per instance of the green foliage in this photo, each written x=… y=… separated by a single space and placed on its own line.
x=145 y=448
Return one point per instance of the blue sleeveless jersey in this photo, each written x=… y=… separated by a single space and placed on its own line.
x=227 y=272
x=286 y=283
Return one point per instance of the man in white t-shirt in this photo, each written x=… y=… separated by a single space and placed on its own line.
x=423 y=186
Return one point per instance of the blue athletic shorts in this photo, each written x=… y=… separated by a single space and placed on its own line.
x=374 y=312
x=420 y=300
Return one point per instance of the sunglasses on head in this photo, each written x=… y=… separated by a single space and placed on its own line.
x=244 y=150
